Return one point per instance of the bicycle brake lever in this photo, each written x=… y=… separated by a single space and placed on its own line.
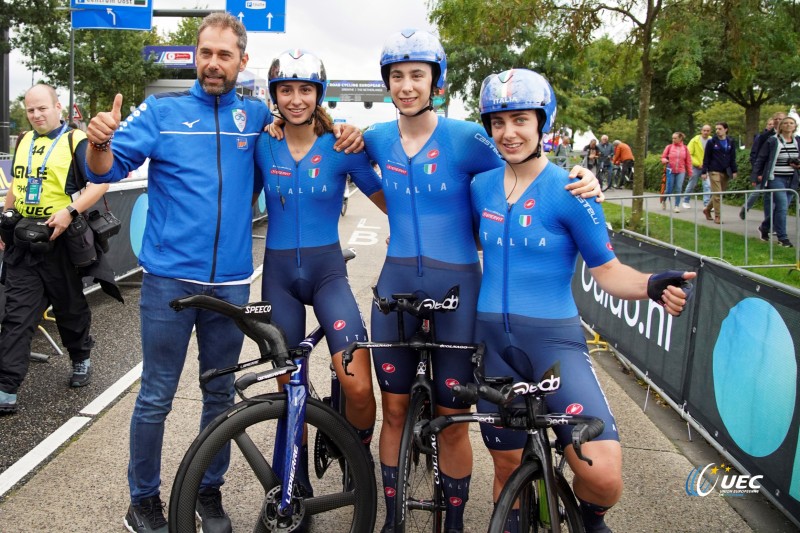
x=347 y=357
x=207 y=376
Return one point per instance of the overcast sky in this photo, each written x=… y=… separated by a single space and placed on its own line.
x=347 y=35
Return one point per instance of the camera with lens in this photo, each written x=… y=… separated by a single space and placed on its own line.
x=104 y=225
x=8 y=220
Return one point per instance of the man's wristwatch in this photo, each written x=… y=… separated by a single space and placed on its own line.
x=72 y=212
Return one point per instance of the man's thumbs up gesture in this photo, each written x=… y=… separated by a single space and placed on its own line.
x=103 y=125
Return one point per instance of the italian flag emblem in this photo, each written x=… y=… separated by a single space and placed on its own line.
x=313 y=172
x=524 y=220
x=430 y=168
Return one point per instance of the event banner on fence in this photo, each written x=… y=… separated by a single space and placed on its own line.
x=742 y=381
x=653 y=340
x=731 y=359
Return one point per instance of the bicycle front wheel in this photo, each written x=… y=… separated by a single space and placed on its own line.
x=526 y=485
x=605 y=180
x=419 y=504
x=252 y=481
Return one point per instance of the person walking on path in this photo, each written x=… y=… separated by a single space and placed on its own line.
x=697 y=149
x=778 y=167
x=719 y=164
x=678 y=162
x=758 y=142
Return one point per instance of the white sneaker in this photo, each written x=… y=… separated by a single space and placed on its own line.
x=676 y=210
x=686 y=205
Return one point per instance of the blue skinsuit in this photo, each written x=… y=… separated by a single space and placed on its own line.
x=432 y=246
x=525 y=307
x=303 y=263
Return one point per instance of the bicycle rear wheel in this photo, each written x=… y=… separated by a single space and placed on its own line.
x=253 y=484
x=419 y=504
x=527 y=485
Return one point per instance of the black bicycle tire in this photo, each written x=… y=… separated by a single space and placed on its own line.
x=417 y=410
x=605 y=179
x=524 y=481
x=234 y=422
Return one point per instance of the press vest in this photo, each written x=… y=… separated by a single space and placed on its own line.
x=53 y=196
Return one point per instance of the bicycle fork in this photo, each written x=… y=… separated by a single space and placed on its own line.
x=290 y=434
x=547 y=507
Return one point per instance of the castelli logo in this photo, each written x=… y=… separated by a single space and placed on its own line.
x=456 y=501
x=433 y=154
x=388 y=368
x=608 y=245
x=530 y=203
x=339 y=324
x=574 y=409
x=451 y=383
x=390 y=492
x=316 y=159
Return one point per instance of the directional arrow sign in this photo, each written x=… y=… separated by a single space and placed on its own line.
x=259 y=15
x=112 y=14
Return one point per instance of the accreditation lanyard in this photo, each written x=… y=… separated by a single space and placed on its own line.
x=33 y=191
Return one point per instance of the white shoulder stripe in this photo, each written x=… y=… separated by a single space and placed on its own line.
x=232 y=133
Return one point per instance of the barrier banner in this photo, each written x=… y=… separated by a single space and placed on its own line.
x=730 y=359
x=742 y=381
x=653 y=340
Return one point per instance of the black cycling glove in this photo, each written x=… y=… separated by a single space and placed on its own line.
x=660 y=281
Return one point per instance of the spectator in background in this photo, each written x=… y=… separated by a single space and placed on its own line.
x=591 y=155
x=623 y=155
x=758 y=142
x=562 y=152
x=778 y=167
x=606 y=150
x=678 y=160
x=697 y=149
x=719 y=164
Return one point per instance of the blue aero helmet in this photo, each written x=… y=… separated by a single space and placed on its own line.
x=414 y=45
x=518 y=89
x=298 y=65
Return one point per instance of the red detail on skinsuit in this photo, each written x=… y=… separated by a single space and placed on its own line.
x=608 y=245
x=433 y=154
x=399 y=170
x=390 y=492
x=529 y=203
x=316 y=159
x=574 y=409
x=456 y=501
x=492 y=216
x=388 y=368
x=280 y=172
x=339 y=324
x=450 y=382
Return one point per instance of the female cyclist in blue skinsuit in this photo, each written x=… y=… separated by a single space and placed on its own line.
x=304 y=180
x=526 y=314
x=427 y=163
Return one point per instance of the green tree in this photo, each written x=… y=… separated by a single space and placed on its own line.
x=106 y=61
x=18 y=116
x=742 y=50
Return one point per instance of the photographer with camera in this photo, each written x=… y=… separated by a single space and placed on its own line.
x=778 y=167
x=40 y=262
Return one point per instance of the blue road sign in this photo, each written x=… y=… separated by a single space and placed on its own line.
x=112 y=14
x=259 y=15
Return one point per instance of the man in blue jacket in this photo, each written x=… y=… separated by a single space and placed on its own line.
x=201 y=183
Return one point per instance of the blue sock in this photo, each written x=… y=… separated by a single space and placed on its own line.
x=512 y=522
x=389 y=475
x=456 y=494
x=593 y=516
x=365 y=435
